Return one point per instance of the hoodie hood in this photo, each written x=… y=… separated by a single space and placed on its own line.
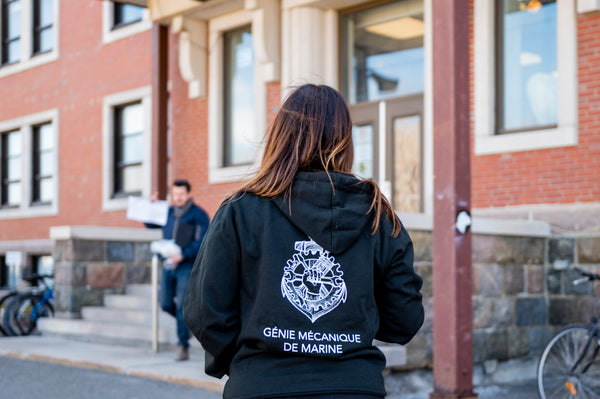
x=333 y=216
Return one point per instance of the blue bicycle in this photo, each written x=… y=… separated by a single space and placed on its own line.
x=24 y=310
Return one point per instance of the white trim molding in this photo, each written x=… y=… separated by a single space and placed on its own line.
x=192 y=53
x=143 y=94
x=25 y=126
x=217 y=173
x=566 y=133
x=111 y=35
x=27 y=59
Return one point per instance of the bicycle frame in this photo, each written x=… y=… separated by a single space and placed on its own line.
x=48 y=296
x=593 y=336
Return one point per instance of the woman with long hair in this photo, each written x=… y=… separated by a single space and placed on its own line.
x=303 y=267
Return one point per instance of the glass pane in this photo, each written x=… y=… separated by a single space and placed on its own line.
x=14 y=19
x=362 y=137
x=132 y=179
x=127 y=13
x=47 y=163
x=14 y=52
x=407 y=164
x=45 y=264
x=46 y=40
x=46 y=137
x=529 y=83
x=14 y=168
x=240 y=137
x=46 y=13
x=14 y=193
x=384 y=54
x=133 y=121
x=46 y=190
x=14 y=143
x=132 y=149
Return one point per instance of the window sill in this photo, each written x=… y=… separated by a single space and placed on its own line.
x=34 y=61
x=562 y=136
x=231 y=173
x=28 y=212
x=120 y=32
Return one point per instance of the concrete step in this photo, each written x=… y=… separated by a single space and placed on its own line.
x=139 y=290
x=125 y=316
x=128 y=302
x=94 y=329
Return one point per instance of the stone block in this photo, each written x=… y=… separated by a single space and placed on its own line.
x=87 y=250
x=137 y=274
x=561 y=249
x=535 y=279
x=518 y=342
x=530 y=311
x=520 y=250
x=513 y=278
x=504 y=312
x=422 y=246
x=424 y=270
x=119 y=251
x=108 y=275
x=483 y=248
x=427 y=326
x=587 y=249
x=480 y=348
x=63 y=250
x=416 y=352
x=539 y=336
x=497 y=344
x=561 y=311
x=483 y=312
x=584 y=309
x=71 y=274
x=569 y=288
x=490 y=280
x=71 y=300
x=142 y=252
x=554 y=280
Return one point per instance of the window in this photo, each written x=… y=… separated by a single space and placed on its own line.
x=239 y=98
x=42 y=190
x=125 y=14
x=11 y=31
x=11 y=169
x=525 y=75
x=3 y=272
x=383 y=52
x=128 y=152
x=43 y=21
x=527 y=68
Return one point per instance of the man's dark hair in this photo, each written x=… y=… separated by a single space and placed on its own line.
x=183 y=183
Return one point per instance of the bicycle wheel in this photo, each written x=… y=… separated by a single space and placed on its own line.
x=555 y=377
x=3 y=305
x=22 y=312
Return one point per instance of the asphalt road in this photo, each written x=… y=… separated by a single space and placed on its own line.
x=26 y=379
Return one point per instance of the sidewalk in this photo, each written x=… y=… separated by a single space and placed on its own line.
x=140 y=361
x=137 y=361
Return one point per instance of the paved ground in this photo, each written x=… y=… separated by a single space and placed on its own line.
x=79 y=361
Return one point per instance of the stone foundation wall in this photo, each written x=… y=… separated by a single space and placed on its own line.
x=522 y=293
x=92 y=261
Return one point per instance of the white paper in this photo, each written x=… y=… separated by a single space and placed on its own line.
x=143 y=210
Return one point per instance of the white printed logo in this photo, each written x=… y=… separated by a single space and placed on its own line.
x=312 y=280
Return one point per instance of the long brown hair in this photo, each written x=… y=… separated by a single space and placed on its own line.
x=311 y=131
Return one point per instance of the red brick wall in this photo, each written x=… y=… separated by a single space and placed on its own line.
x=561 y=175
x=84 y=73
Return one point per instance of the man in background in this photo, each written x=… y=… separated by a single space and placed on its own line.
x=186 y=226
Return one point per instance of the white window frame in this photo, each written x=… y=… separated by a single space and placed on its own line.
x=28 y=60
x=218 y=173
x=566 y=133
x=143 y=94
x=110 y=35
x=25 y=125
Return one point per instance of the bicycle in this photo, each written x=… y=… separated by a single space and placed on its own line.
x=23 y=310
x=3 y=304
x=570 y=365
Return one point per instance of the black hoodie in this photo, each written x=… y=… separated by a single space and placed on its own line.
x=286 y=297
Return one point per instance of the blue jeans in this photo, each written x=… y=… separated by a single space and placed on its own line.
x=171 y=294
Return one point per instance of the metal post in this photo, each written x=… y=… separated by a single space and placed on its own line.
x=452 y=289
x=154 y=278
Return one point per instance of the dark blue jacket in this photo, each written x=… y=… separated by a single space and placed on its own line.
x=195 y=217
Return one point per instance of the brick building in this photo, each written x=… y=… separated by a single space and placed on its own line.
x=77 y=127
